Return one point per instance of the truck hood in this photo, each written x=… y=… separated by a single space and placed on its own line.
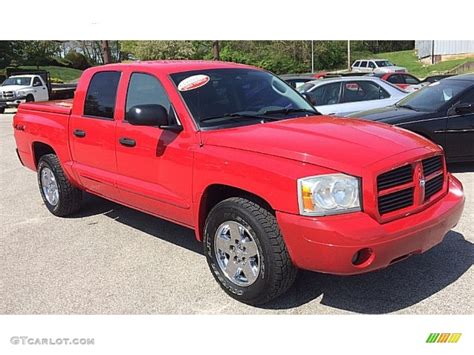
x=12 y=88
x=346 y=145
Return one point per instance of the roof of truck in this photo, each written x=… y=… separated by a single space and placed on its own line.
x=174 y=66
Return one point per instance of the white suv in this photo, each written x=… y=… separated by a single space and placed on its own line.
x=376 y=66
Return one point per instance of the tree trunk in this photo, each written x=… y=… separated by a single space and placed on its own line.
x=106 y=54
x=215 y=50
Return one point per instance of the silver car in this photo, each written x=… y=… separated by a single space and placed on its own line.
x=347 y=95
x=376 y=66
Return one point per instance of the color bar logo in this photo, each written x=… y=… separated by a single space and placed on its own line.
x=443 y=337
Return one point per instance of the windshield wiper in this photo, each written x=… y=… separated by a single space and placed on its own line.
x=286 y=111
x=408 y=107
x=239 y=115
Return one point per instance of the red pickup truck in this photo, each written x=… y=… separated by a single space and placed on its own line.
x=233 y=152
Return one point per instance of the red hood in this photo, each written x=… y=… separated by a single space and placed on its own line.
x=331 y=142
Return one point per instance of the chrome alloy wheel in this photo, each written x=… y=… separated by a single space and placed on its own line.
x=237 y=253
x=49 y=186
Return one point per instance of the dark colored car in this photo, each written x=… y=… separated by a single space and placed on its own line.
x=297 y=80
x=442 y=112
x=435 y=78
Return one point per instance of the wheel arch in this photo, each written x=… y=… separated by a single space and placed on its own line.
x=39 y=149
x=215 y=193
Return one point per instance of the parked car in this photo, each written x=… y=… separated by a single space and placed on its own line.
x=405 y=81
x=435 y=78
x=238 y=155
x=22 y=88
x=376 y=66
x=296 y=80
x=442 y=112
x=346 y=95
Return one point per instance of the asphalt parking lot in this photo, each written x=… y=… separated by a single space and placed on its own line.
x=109 y=259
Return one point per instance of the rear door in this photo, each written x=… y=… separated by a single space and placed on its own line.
x=92 y=135
x=154 y=165
x=460 y=129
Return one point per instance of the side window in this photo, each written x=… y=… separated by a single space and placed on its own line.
x=363 y=91
x=145 y=89
x=468 y=98
x=326 y=94
x=411 y=80
x=356 y=63
x=100 y=98
x=396 y=79
x=372 y=65
x=363 y=64
x=37 y=82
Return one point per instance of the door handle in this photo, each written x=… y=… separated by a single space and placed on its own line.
x=79 y=133
x=128 y=142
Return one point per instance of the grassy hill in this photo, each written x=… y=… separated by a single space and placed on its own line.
x=409 y=60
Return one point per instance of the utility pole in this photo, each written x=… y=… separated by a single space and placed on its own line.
x=215 y=50
x=312 y=56
x=349 y=55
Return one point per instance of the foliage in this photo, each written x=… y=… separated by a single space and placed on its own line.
x=76 y=60
x=153 y=50
x=38 y=52
x=60 y=73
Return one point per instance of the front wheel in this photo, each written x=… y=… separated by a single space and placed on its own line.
x=246 y=252
x=59 y=195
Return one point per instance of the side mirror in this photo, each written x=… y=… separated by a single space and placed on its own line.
x=147 y=115
x=308 y=98
x=463 y=109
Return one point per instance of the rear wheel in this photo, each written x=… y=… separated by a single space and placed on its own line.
x=246 y=252
x=59 y=195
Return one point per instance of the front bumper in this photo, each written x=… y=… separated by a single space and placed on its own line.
x=12 y=102
x=328 y=244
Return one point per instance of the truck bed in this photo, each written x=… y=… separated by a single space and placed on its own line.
x=62 y=107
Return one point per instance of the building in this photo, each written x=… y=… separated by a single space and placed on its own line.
x=431 y=52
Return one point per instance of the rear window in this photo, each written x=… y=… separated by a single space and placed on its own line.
x=101 y=94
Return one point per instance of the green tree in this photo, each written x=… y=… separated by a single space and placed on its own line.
x=153 y=50
x=38 y=52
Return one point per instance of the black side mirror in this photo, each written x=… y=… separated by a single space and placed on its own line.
x=308 y=98
x=147 y=115
x=463 y=109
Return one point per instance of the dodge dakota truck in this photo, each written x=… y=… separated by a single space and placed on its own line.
x=268 y=184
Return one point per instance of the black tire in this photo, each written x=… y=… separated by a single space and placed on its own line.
x=277 y=272
x=70 y=197
x=2 y=110
x=30 y=98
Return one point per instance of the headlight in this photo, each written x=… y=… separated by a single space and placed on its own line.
x=19 y=93
x=328 y=194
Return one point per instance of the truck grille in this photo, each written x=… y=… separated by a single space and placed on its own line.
x=396 y=201
x=411 y=185
x=7 y=95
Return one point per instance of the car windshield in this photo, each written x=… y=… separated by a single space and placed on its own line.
x=218 y=97
x=433 y=96
x=383 y=63
x=20 y=80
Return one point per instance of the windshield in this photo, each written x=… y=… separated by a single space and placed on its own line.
x=238 y=96
x=20 y=80
x=383 y=63
x=432 y=97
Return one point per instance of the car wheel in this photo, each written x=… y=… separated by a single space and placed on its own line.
x=59 y=195
x=246 y=252
x=30 y=98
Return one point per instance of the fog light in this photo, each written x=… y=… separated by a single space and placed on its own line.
x=363 y=256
